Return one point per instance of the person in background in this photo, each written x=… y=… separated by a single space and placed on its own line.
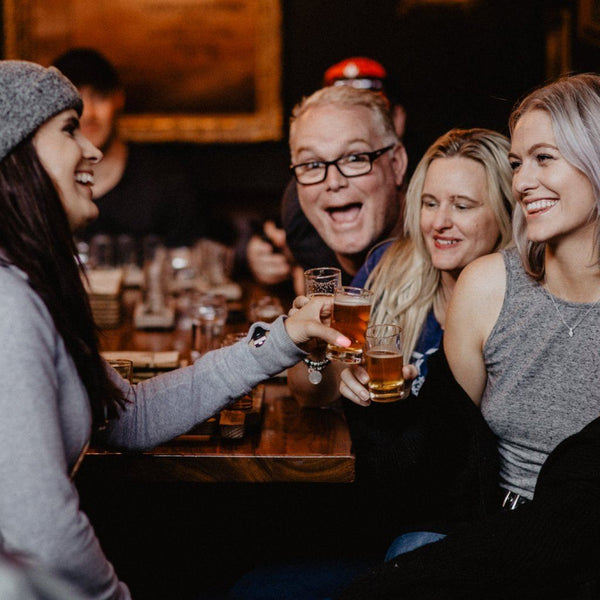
x=281 y=253
x=56 y=388
x=140 y=189
x=522 y=342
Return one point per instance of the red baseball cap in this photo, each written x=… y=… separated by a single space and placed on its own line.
x=359 y=72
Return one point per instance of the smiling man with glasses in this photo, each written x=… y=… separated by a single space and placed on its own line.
x=358 y=202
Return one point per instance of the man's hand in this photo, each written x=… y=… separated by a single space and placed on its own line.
x=269 y=261
x=354 y=380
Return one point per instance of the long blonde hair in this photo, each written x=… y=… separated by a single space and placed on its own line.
x=573 y=105
x=406 y=284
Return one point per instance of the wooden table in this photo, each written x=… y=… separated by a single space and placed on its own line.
x=292 y=444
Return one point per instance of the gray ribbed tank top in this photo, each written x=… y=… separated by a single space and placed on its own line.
x=542 y=385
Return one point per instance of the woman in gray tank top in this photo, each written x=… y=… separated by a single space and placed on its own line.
x=523 y=326
x=521 y=338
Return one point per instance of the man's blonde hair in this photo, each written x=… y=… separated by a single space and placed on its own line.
x=346 y=96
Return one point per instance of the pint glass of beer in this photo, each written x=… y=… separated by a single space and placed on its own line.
x=351 y=312
x=322 y=281
x=383 y=357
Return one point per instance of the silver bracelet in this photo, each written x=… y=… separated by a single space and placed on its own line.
x=314 y=369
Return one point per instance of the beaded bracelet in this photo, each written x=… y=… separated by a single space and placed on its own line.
x=314 y=369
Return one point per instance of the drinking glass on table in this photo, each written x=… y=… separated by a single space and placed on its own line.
x=208 y=314
x=383 y=358
x=243 y=402
x=350 y=316
x=265 y=309
x=123 y=366
x=322 y=281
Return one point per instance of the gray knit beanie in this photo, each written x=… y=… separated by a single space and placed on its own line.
x=30 y=95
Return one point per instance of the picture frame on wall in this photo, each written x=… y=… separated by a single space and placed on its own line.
x=204 y=71
x=588 y=21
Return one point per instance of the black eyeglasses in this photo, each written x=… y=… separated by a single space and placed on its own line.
x=349 y=165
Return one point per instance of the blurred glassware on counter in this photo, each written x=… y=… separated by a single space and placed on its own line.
x=183 y=272
x=155 y=312
x=127 y=258
x=150 y=244
x=101 y=252
x=266 y=309
x=208 y=315
x=123 y=366
x=244 y=402
x=83 y=251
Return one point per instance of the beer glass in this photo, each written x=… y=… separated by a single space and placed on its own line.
x=322 y=281
x=265 y=309
x=383 y=358
x=123 y=366
x=208 y=313
x=243 y=402
x=351 y=312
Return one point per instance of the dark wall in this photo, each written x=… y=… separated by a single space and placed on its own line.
x=454 y=67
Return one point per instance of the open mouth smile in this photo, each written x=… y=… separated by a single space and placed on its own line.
x=348 y=213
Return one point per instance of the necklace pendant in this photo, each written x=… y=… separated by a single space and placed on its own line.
x=570 y=332
x=314 y=376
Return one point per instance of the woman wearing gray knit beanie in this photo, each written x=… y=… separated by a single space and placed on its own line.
x=56 y=389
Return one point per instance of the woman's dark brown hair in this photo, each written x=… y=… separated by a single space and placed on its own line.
x=35 y=233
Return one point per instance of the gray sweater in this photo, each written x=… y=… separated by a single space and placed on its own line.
x=45 y=422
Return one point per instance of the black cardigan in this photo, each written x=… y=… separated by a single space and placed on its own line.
x=547 y=549
x=427 y=462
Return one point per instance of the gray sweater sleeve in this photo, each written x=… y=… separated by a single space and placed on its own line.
x=44 y=422
x=171 y=404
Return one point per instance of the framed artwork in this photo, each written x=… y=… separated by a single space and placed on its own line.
x=588 y=21
x=194 y=70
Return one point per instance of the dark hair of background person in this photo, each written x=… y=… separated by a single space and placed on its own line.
x=35 y=232
x=86 y=66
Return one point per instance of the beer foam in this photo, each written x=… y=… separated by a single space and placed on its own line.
x=352 y=300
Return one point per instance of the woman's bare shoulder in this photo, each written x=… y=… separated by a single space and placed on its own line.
x=484 y=277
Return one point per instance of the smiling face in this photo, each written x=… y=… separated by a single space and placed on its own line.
x=457 y=220
x=68 y=158
x=556 y=198
x=350 y=214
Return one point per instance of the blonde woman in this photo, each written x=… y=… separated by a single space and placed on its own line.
x=458 y=208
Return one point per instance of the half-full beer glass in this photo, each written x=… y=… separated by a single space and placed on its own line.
x=351 y=312
x=383 y=358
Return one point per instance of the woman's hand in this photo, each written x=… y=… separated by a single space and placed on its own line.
x=354 y=380
x=307 y=319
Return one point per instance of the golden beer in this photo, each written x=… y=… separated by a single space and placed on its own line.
x=351 y=312
x=384 y=367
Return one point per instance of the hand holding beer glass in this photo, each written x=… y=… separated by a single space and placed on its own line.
x=351 y=312
x=383 y=358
